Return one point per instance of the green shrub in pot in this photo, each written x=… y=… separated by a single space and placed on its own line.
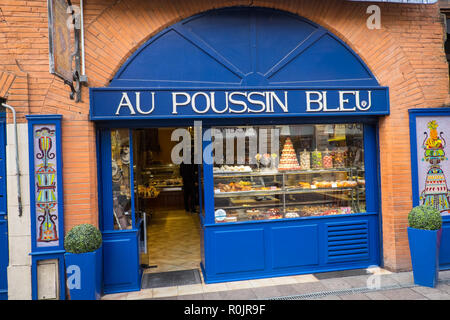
x=83 y=238
x=425 y=218
x=424 y=236
x=84 y=262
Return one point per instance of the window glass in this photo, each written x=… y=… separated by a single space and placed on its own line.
x=120 y=165
x=289 y=171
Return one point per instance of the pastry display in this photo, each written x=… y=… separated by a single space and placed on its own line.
x=242 y=186
x=305 y=160
x=231 y=169
x=291 y=215
x=255 y=214
x=304 y=185
x=346 y=184
x=333 y=184
x=339 y=158
x=316 y=159
x=175 y=182
x=274 y=213
x=148 y=192
x=327 y=160
x=323 y=184
x=288 y=159
x=233 y=187
x=322 y=210
x=252 y=212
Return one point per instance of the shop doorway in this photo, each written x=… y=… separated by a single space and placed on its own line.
x=168 y=194
x=165 y=198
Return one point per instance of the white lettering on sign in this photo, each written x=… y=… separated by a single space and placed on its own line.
x=207 y=102
x=343 y=101
x=203 y=102
x=175 y=103
x=234 y=102
x=317 y=101
x=256 y=102
x=238 y=102
x=138 y=104
x=126 y=102
x=364 y=105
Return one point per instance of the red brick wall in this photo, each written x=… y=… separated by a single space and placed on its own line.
x=406 y=54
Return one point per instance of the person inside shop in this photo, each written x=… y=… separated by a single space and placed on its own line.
x=188 y=174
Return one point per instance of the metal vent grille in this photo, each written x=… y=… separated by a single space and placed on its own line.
x=343 y=292
x=348 y=241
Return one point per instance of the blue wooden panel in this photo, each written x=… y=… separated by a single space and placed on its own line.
x=120 y=262
x=259 y=249
x=4 y=252
x=239 y=51
x=172 y=51
x=239 y=250
x=243 y=47
x=4 y=260
x=295 y=246
x=271 y=39
x=444 y=254
x=326 y=59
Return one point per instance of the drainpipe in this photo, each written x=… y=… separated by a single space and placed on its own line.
x=83 y=77
x=19 y=197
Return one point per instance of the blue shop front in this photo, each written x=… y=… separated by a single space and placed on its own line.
x=279 y=115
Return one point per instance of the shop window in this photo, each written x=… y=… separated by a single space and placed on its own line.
x=120 y=165
x=291 y=171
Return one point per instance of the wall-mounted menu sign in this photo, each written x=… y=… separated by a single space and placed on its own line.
x=143 y=103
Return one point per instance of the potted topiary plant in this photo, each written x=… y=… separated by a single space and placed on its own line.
x=84 y=262
x=424 y=235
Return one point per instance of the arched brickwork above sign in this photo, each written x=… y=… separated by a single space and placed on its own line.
x=236 y=47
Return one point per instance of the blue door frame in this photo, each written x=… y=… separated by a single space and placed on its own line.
x=4 y=252
x=249 y=51
x=414 y=115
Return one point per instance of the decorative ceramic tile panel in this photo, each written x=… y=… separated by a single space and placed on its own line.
x=46 y=188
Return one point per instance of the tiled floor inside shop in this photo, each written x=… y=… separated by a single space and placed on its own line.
x=174 y=244
x=173 y=239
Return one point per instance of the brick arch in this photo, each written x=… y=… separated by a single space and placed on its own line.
x=119 y=30
x=109 y=46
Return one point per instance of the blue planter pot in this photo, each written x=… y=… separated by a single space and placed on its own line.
x=84 y=274
x=424 y=247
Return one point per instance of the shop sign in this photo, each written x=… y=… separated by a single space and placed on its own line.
x=113 y=103
x=60 y=39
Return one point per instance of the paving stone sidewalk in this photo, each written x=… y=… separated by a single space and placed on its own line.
x=400 y=286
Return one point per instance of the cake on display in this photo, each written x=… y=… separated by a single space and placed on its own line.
x=288 y=159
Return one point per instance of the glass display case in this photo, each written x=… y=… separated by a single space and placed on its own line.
x=319 y=171
x=163 y=177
